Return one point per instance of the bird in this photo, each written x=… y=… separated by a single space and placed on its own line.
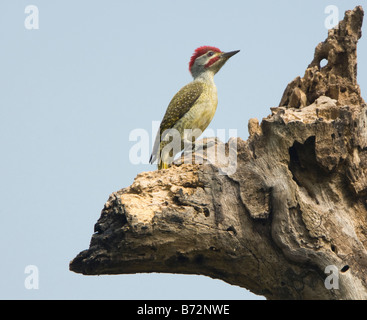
x=192 y=107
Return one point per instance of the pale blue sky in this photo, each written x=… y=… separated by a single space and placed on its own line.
x=72 y=91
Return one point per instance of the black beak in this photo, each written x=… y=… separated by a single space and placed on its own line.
x=227 y=55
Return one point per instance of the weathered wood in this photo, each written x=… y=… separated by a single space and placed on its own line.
x=295 y=204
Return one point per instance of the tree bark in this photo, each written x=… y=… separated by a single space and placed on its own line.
x=294 y=205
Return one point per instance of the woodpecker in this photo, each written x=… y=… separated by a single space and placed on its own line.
x=194 y=106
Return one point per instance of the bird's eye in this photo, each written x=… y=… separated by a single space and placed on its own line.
x=210 y=53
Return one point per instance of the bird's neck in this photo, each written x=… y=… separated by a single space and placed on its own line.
x=207 y=77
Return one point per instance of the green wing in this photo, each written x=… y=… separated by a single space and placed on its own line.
x=180 y=104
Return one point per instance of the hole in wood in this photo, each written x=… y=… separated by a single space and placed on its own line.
x=323 y=63
x=345 y=268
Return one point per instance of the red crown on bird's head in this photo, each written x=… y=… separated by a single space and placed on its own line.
x=199 y=52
